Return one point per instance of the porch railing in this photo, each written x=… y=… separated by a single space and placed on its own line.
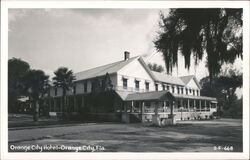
x=152 y=110
x=129 y=89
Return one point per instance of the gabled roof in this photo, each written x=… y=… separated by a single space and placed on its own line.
x=167 y=79
x=187 y=79
x=102 y=70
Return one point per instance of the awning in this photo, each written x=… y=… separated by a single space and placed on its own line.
x=149 y=96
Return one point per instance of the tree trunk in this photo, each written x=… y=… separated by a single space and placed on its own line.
x=36 y=110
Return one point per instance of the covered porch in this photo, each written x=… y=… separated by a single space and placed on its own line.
x=162 y=103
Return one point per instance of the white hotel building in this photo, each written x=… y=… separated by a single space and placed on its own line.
x=135 y=90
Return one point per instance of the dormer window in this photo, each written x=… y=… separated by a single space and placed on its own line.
x=197 y=92
x=186 y=91
x=163 y=87
x=172 y=89
x=178 y=90
x=181 y=90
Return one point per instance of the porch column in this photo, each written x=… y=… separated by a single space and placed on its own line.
x=172 y=108
x=164 y=106
x=194 y=103
x=143 y=107
x=156 y=109
x=205 y=104
x=200 y=105
x=132 y=106
x=188 y=104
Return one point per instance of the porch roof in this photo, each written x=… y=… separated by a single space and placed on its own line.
x=155 y=95
x=194 y=97
x=158 y=95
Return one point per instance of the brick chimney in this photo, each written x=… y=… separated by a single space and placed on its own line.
x=126 y=55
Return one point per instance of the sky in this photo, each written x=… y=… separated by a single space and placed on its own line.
x=85 y=38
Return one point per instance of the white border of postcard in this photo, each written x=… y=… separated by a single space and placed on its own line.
x=5 y=5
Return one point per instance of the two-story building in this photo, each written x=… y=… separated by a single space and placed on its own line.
x=130 y=87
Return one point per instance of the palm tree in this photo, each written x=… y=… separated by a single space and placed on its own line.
x=35 y=82
x=63 y=79
x=215 y=32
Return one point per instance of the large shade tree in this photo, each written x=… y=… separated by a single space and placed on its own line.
x=216 y=32
x=63 y=79
x=155 y=67
x=224 y=89
x=35 y=84
x=17 y=68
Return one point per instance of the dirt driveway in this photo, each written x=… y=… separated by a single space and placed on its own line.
x=223 y=135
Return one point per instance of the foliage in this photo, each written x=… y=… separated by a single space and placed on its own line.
x=155 y=67
x=17 y=68
x=223 y=88
x=63 y=79
x=101 y=102
x=102 y=84
x=35 y=84
x=215 y=32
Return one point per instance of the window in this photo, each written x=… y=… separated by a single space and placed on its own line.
x=168 y=88
x=197 y=92
x=103 y=83
x=163 y=87
x=156 y=87
x=181 y=90
x=147 y=86
x=193 y=92
x=92 y=86
x=85 y=87
x=178 y=90
x=137 y=85
x=125 y=83
x=186 y=91
x=190 y=90
x=172 y=89
x=55 y=91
